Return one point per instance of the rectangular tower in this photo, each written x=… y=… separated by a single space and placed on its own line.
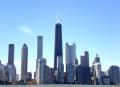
x=58 y=44
x=39 y=46
x=24 y=62
x=11 y=54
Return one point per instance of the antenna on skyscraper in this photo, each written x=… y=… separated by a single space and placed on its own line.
x=58 y=20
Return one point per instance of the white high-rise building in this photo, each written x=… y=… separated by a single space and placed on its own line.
x=39 y=52
x=70 y=53
x=97 y=70
x=40 y=70
x=39 y=48
x=70 y=62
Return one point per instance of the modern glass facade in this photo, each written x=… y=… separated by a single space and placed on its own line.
x=58 y=44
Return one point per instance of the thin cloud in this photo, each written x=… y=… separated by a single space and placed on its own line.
x=26 y=30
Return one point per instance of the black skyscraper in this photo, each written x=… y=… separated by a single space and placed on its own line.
x=11 y=54
x=58 y=43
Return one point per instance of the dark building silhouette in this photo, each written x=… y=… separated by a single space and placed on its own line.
x=85 y=59
x=79 y=74
x=24 y=62
x=58 y=44
x=114 y=74
x=86 y=75
x=83 y=75
x=84 y=70
x=11 y=54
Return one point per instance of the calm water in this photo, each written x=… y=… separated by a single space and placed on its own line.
x=60 y=86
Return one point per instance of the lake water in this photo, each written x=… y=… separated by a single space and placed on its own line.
x=59 y=85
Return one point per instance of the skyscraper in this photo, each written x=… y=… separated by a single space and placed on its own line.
x=10 y=66
x=86 y=75
x=96 y=71
x=70 y=54
x=39 y=48
x=40 y=72
x=24 y=62
x=58 y=44
x=11 y=73
x=11 y=54
x=85 y=59
x=70 y=62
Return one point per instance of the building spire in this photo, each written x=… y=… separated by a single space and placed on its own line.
x=58 y=20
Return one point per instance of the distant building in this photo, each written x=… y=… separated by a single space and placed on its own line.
x=86 y=75
x=39 y=52
x=11 y=73
x=114 y=74
x=39 y=46
x=79 y=75
x=11 y=54
x=58 y=44
x=52 y=74
x=85 y=59
x=48 y=75
x=97 y=59
x=60 y=69
x=85 y=69
x=70 y=73
x=40 y=71
x=3 y=73
x=29 y=76
x=71 y=54
x=96 y=71
x=24 y=62
x=71 y=62
x=106 y=80
x=10 y=65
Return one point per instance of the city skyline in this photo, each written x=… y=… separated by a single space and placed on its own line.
x=73 y=61
x=95 y=38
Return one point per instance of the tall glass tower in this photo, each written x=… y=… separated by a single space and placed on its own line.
x=58 y=44
x=11 y=54
x=39 y=48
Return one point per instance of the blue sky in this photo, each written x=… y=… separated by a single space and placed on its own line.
x=94 y=25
